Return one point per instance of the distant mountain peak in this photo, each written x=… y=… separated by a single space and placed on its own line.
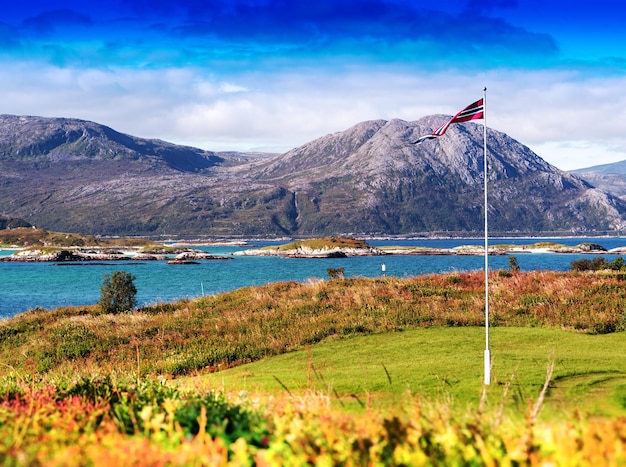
x=43 y=139
x=72 y=175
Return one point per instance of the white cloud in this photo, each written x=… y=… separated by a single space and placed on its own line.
x=579 y=154
x=232 y=88
x=568 y=119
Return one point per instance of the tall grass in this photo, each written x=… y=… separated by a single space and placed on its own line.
x=50 y=415
x=254 y=322
x=100 y=422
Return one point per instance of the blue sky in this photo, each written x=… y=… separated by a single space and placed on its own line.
x=272 y=75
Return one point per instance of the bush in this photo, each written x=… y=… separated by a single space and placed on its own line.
x=513 y=264
x=617 y=264
x=597 y=264
x=335 y=273
x=118 y=292
x=134 y=406
x=584 y=264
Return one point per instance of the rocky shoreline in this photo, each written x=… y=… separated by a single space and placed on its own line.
x=76 y=255
x=306 y=252
x=190 y=256
x=466 y=250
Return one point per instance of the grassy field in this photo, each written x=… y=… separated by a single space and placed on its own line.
x=381 y=371
x=252 y=323
x=447 y=363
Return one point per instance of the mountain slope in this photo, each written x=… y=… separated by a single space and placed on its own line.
x=38 y=139
x=612 y=168
x=436 y=186
x=607 y=177
x=70 y=175
x=79 y=176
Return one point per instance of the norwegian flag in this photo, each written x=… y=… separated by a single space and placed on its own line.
x=474 y=111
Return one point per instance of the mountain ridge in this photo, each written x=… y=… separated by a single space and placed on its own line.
x=370 y=179
x=608 y=177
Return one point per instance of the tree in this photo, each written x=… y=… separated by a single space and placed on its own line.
x=584 y=264
x=617 y=264
x=118 y=292
x=513 y=265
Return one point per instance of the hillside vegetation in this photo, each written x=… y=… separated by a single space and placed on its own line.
x=322 y=243
x=32 y=237
x=80 y=387
x=251 y=323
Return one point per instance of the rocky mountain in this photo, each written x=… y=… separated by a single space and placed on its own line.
x=398 y=187
x=607 y=177
x=71 y=175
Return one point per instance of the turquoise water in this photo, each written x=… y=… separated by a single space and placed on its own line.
x=24 y=286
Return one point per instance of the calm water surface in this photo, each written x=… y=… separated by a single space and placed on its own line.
x=24 y=286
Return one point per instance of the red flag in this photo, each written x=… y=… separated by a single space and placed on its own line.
x=474 y=111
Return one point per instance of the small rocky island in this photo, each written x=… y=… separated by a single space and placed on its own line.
x=316 y=248
x=344 y=247
x=37 y=245
x=78 y=254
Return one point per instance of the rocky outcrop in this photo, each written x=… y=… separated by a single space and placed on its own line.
x=106 y=254
x=61 y=256
x=197 y=255
x=7 y=222
x=306 y=252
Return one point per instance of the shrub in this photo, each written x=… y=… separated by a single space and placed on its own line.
x=454 y=279
x=617 y=264
x=513 y=265
x=135 y=407
x=335 y=273
x=118 y=292
x=596 y=264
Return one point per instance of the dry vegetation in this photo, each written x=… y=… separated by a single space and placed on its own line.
x=322 y=243
x=33 y=237
x=68 y=394
x=255 y=322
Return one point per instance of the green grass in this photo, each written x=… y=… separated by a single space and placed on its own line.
x=447 y=363
x=346 y=372
x=424 y=335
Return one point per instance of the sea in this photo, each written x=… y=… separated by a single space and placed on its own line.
x=24 y=286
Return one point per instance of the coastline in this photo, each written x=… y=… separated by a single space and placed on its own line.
x=30 y=285
x=91 y=254
x=185 y=251
x=463 y=250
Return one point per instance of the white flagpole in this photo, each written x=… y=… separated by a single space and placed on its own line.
x=487 y=361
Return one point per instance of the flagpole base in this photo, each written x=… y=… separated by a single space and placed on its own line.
x=487 y=367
